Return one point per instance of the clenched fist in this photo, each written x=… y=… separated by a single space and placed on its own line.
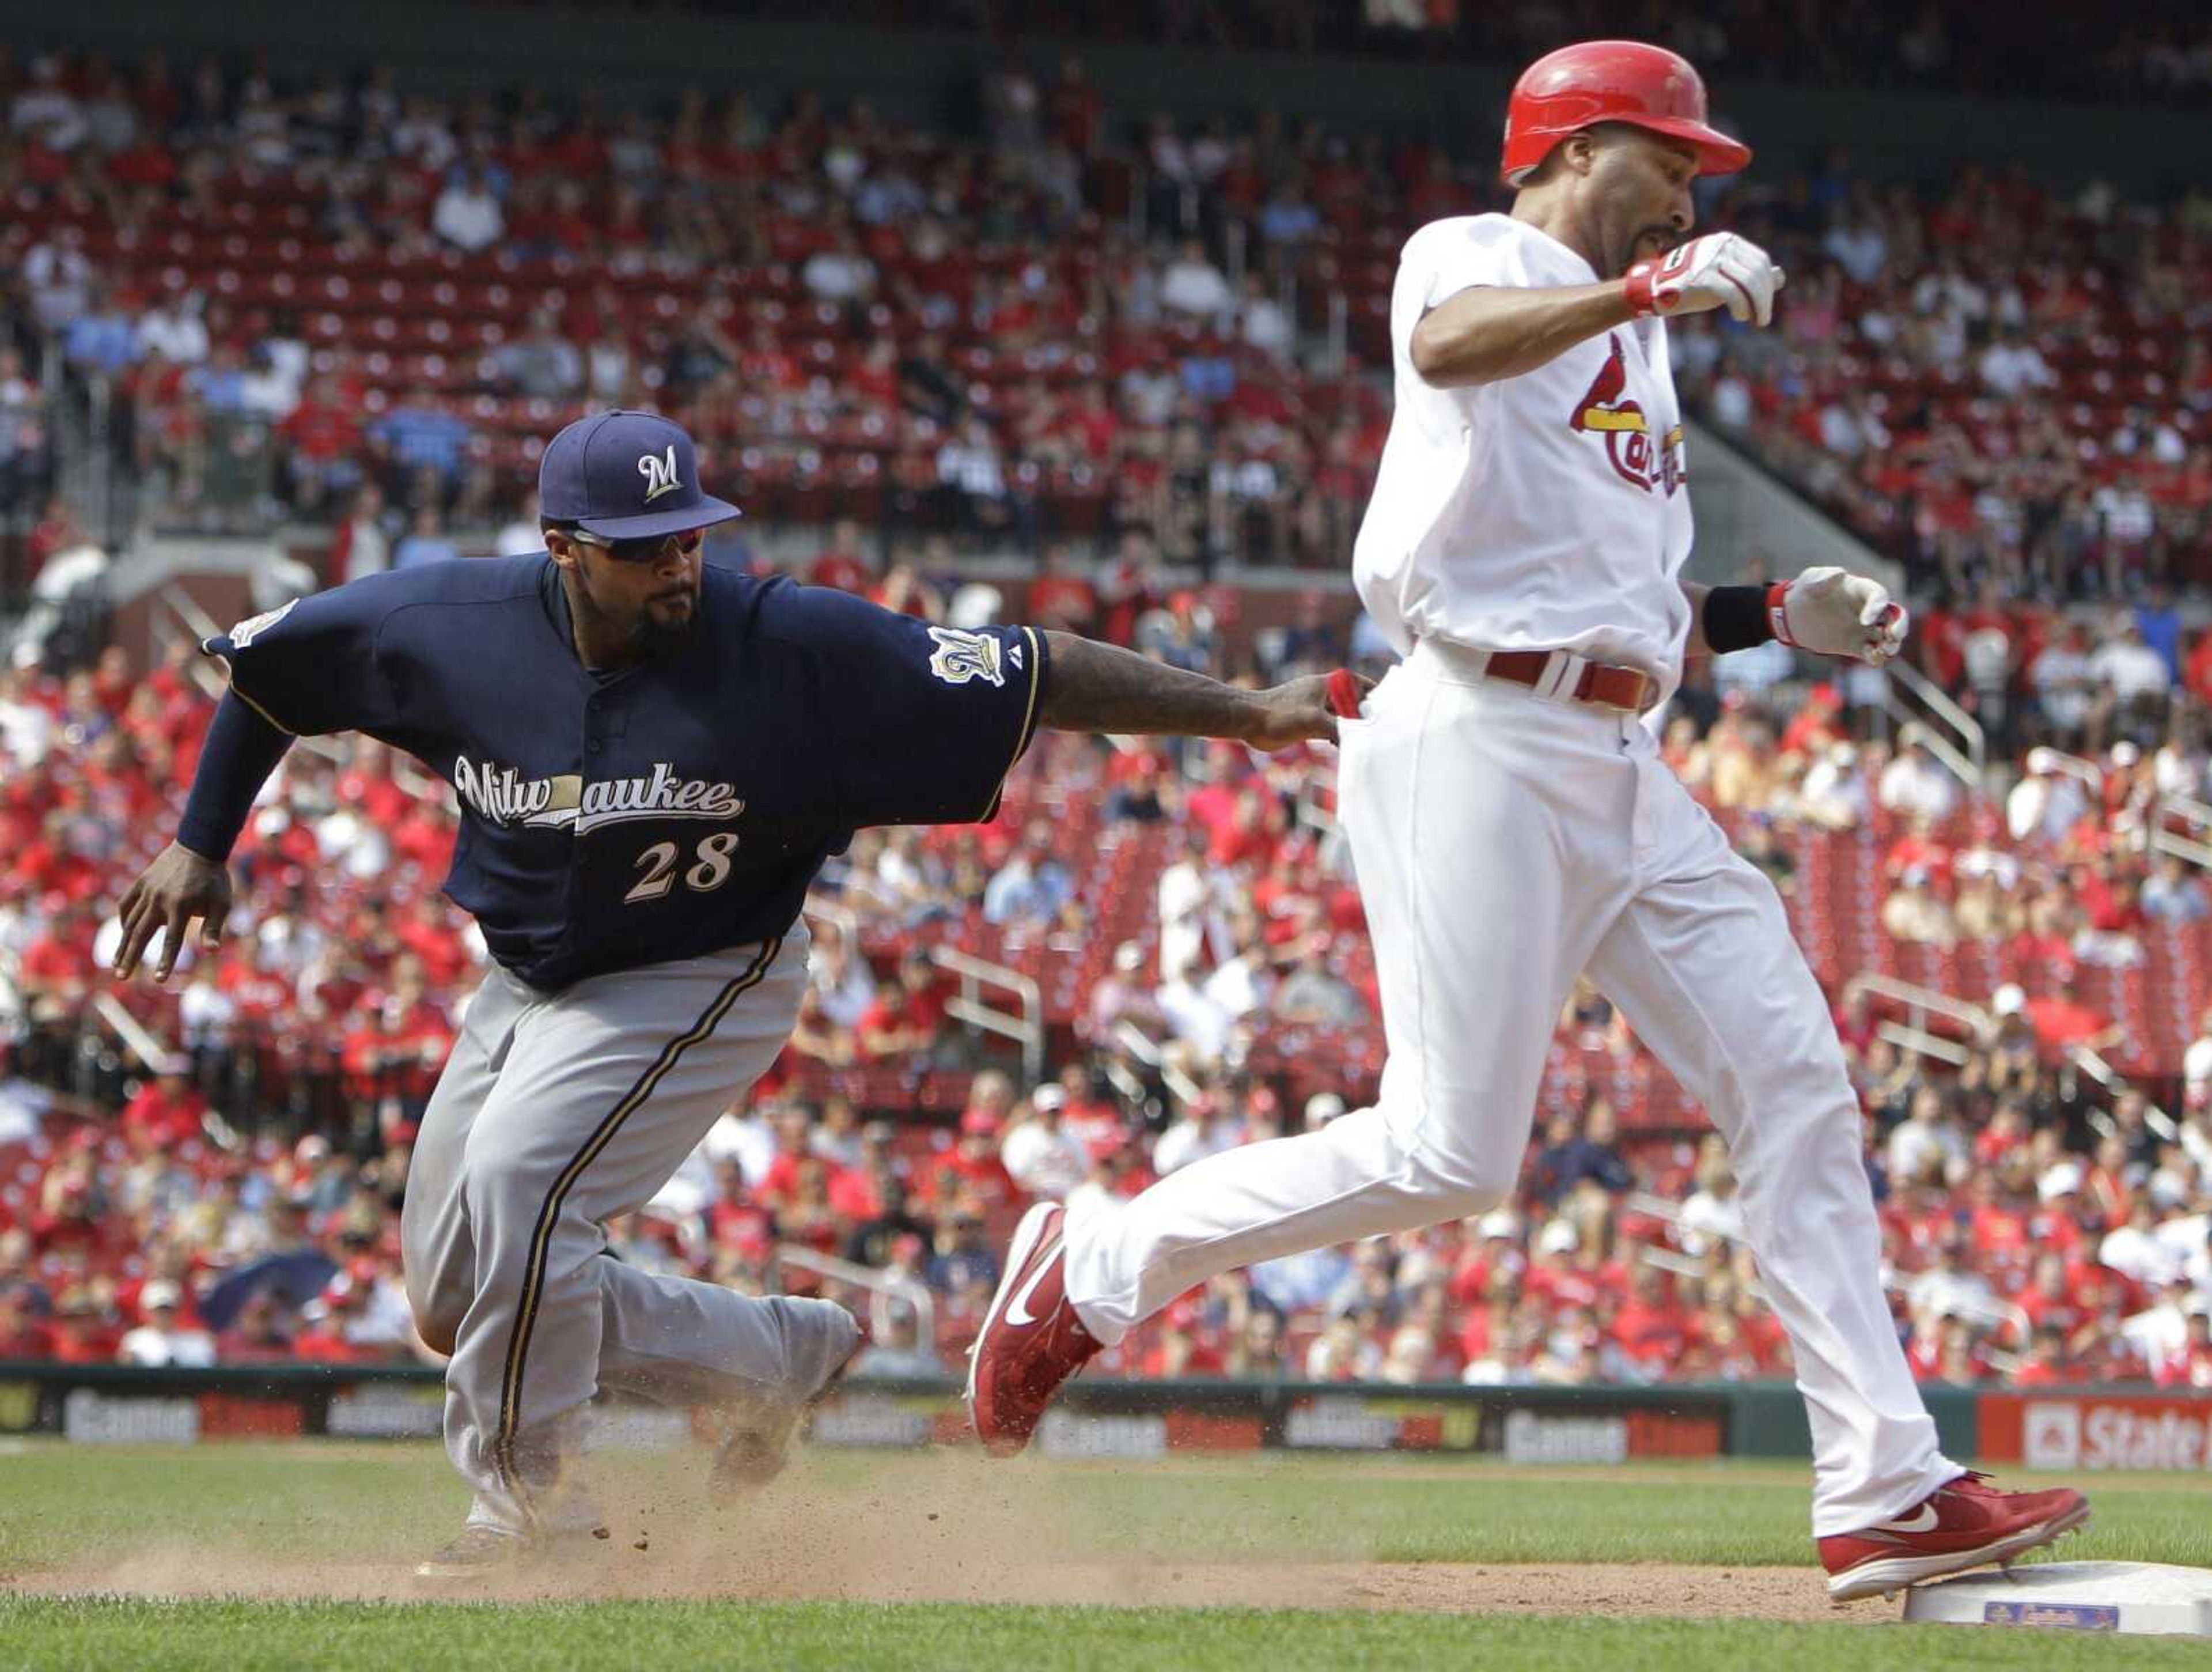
x=1834 y=612
x=1717 y=270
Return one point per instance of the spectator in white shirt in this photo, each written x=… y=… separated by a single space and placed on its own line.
x=1923 y=1146
x=173 y=330
x=2142 y=436
x=1185 y=902
x=1038 y=1155
x=1834 y=793
x=368 y=548
x=467 y=214
x=2012 y=366
x=1917 y=785
x=2123 y=511
x=2062 y=681
x=2138 y=1253
x=59 y=277
x=1193 y=285
x=27 y=727
x=840 y=273
x=1858 y=247
x=2127 y=667
x=1713 y=1213
x=1201 y=1132
x=159 y=1341
x=1266 y=324
x=1950 y=1287
x=522 y=537
x=1731 y=398
x=969 y=463
x=46 y=111
x=2196 y=1066
x=2172 y=893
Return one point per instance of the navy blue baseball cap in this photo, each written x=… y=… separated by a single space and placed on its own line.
x=626 y=476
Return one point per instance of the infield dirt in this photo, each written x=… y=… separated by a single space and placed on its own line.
x=961 y=1531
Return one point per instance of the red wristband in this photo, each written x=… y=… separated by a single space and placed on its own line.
x=1777 y=615
x=1638 y=285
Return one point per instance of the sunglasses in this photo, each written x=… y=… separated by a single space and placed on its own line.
x=647 y=549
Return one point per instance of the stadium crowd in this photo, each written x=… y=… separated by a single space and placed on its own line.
x=238 y=1199
x=1119 y=344
x=366 y=308
x=2161 y=51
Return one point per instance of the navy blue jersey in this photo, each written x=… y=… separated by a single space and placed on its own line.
x=679 y=807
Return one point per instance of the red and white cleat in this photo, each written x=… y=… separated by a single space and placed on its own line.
x=1031 y=1340
x=1968 y=1524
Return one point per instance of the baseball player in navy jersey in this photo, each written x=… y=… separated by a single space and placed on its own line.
x=1512 y=824
x=652 y=758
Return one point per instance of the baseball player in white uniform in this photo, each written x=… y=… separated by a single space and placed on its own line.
x=1512 y=824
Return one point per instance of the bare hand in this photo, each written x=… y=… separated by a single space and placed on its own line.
x=1298 y=712
x=179 y=888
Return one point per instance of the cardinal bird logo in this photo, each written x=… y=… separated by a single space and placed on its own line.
x=1604 y=410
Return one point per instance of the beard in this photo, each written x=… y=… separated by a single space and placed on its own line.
x=658 y=638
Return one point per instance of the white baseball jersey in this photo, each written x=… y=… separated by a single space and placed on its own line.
x=1543 y=512
x=1506 y=843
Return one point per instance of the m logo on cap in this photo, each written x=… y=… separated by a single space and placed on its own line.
x=659 y=474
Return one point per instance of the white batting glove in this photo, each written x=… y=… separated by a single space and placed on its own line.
x=1717 y=270
x=1834 y=612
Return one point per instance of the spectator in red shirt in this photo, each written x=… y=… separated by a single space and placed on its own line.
x=323 y=438
x=325 y=1340
x=805 y=1215
x=2191 y=1367
x=1648 y=1329
x=395 y=1055
x=1059 y=597
x=1996 y=1228
x=2056 y=1021
x=167 y=1110
x=23 y=1334
x=2052 y=1301
x=843 y=564
x=906 y=1019
x=971 y=1173
x=2045 y=1365
x=735 y=1218
x=57 y=967
x=83 y=1331
x=794 y=1147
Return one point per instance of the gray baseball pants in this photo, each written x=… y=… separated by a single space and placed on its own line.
x=557 y=1112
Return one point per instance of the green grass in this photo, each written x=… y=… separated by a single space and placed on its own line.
x=929 y=1637
x=72 y=1514
x=320 y=1501
x=1718 y=1515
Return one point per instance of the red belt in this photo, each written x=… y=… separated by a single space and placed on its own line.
x=1600 y=684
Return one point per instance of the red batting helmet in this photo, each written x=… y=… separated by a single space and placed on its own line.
x=1611 y=81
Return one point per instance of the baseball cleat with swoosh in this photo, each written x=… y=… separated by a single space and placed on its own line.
x=1031 y=1340
x=1968 y=1524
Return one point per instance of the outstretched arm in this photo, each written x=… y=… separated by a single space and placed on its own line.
x=1096 y=687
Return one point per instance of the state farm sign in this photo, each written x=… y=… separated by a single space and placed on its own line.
x=2097 y=1431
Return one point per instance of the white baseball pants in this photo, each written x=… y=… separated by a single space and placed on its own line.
x=557 y=1112
x=1504 y=843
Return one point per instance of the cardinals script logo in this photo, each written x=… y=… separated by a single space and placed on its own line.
x=1605 y=410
